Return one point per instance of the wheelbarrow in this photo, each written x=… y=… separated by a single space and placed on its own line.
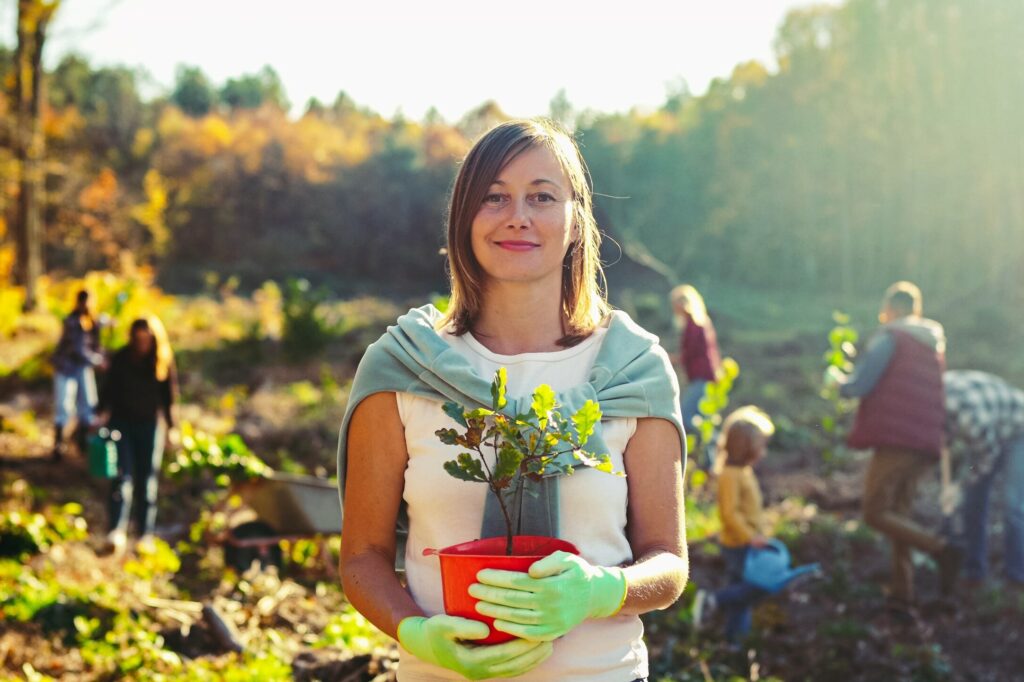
x=279 y=506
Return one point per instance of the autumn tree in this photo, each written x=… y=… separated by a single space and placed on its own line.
x=34 y=17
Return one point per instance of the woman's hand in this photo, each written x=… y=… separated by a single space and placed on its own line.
x=759 y=541
x=559 y=593
x=439 y=640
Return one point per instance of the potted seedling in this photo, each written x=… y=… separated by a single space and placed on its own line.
x=525 y=447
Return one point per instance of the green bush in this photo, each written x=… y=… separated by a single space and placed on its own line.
x=306 y=331
x=24 y=533
x=225 y=458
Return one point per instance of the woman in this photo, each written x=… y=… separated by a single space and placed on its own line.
x=525 y=294
x=74 y=380
x=698 y=351
x=139 y=390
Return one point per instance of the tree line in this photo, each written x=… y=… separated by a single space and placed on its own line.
x=887 y=145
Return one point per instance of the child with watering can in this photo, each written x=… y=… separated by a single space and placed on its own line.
x=755 y=565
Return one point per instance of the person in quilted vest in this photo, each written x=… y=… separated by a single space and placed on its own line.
x=901 y=417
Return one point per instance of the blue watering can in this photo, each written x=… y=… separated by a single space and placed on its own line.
x=768 y=567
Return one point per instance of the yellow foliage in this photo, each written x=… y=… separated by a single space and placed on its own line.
x=214 y=135
x=172 y=123
x=268 y=301
x=101 y=193
x=441 y=144
x=250 y=139
x=7 y=258
x=62 y=124
x=312 y=146
x=151 y=213
x=11 y=301
x=143 y=142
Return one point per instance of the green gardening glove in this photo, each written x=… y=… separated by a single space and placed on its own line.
x=559 y=593
x=437 y=640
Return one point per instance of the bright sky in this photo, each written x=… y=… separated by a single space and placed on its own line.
x=411 y=55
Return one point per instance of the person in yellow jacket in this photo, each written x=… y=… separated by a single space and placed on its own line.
x=743 y=443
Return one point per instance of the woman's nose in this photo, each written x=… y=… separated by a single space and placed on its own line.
x=520 y=217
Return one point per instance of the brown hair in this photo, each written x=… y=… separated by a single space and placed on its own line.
x=686 y=297
x=739 y=434
x=584 y=305
x=88 y=318
x=904 y=298
x=162 y=356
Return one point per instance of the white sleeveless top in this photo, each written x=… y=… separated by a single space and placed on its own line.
x=445 y=511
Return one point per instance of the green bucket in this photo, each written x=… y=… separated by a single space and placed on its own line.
x=103 y=453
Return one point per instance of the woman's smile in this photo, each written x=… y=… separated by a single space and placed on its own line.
x=517 y=245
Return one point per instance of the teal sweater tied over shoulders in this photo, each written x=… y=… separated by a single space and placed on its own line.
x=632 y=376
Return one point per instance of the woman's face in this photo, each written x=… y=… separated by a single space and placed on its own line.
x=142 y=341
x=760 y=446
x=524 y=227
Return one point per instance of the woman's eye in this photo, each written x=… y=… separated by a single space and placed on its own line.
x=544 y=198
x=493 y=199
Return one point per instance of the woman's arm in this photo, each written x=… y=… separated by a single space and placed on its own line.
x=377 y=459
x=109 y=384
x=656 y=523
x=168 y=394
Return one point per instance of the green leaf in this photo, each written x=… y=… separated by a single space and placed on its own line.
x=840 y=317
x=596 y=462
x=498 y=387
x=466 y=468
x=447 y=436
x=698 y=478
x=543 y=403
x=731 y=368
x=585 y=419
x=509 y=459
x=455 y=411
x=828 y=424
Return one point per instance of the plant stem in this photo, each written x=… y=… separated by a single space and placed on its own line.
x=498 y=493
x=508 y=520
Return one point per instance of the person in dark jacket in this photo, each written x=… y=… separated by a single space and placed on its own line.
x=136 y=399
x=74 y=379
x=902 y=417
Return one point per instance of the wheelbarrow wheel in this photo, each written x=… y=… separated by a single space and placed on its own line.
x=242 y=558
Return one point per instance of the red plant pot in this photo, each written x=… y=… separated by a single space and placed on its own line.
x=460 y=564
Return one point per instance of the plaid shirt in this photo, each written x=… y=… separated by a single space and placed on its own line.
x=983 y=414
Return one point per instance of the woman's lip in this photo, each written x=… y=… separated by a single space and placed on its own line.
x=517 y=246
